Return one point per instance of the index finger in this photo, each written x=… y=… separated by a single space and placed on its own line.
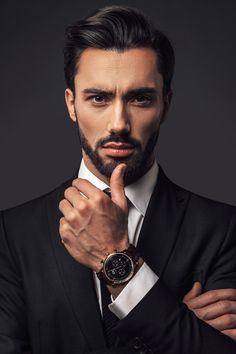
x=85 y=187
x=212 y=296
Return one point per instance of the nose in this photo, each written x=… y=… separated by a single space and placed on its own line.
x=119 y=119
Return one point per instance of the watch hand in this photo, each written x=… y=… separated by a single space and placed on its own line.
x=121 y=266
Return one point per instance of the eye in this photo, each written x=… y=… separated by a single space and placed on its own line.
x=142 y=100
x=97 y=99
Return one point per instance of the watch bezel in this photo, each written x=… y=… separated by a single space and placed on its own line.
x=128 y=277
x=133 y=255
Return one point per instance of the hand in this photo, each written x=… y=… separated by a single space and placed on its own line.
x=93 y=224
x=215 y=307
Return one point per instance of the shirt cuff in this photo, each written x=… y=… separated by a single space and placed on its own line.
x=134 y=291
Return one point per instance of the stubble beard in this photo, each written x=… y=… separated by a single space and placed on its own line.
x=137 y=164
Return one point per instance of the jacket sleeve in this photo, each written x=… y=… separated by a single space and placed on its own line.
x=13 y=322
x=162 y=324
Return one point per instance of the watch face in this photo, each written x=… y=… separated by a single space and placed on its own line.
x=119 y=267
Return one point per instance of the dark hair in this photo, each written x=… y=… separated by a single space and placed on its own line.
x=117 y=28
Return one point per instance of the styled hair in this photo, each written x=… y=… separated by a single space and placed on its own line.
x=117 y=28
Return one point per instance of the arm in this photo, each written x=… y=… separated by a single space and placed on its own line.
x=170 y=327
x=165 y=325
x=215 y=307
x=91 y=227
x=13 y=328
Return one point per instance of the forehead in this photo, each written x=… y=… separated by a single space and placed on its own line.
x=109 y=69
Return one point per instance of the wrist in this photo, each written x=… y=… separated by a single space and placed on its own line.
x=115 y=290
x=119 y=266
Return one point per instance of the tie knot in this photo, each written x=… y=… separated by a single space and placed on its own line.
x=107 y=191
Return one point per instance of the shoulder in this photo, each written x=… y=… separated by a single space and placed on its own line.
x=36 y=206
x=198 y=206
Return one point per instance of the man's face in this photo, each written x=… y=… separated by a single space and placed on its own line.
x=119 y=105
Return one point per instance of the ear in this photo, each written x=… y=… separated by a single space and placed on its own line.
x=167 y=102
x=70 y=102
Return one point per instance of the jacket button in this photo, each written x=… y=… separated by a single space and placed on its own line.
x=137 y=343
x=142 y=351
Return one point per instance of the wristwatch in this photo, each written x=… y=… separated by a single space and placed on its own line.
x=119 y=266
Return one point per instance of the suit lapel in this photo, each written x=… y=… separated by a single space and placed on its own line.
x=162 y=223
x=77 y=280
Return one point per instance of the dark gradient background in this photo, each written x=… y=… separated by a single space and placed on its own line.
x=38 y=143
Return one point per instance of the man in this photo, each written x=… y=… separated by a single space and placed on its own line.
x=119 y=237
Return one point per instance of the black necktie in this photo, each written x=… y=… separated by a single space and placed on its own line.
x=109 y=319
x=107 y=191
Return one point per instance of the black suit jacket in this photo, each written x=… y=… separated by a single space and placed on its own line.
x=48 y=303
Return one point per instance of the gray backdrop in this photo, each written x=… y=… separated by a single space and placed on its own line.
x=39 y=146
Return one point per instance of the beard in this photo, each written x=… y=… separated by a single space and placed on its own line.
x=136 y=164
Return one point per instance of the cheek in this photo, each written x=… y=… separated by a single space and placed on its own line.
x=146 y=125
x=89 y=124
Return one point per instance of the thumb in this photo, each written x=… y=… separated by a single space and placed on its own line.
x=194 y=292
x=117 y=186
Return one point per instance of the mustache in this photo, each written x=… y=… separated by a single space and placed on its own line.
x=118 y=138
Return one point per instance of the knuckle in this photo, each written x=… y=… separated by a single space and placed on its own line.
x=62 y=221
x=82 y=206
x=200 y=313
x=64 y=239
x=61 y=204
x=229 y=320
x=212 y=296
x=76 y=182
x=224 y=305
x=71 y=216
x=64 y=227
x=204 y=314
x=68 y=191
x=98 y=198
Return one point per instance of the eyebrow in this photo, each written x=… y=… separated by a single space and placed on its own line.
x=127 y=95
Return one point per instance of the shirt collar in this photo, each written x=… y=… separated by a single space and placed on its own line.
x=86 y=174
x=139 y=192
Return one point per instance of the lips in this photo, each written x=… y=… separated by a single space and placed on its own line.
x=113 y=149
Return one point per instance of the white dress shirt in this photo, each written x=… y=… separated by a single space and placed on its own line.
x=139 y=194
